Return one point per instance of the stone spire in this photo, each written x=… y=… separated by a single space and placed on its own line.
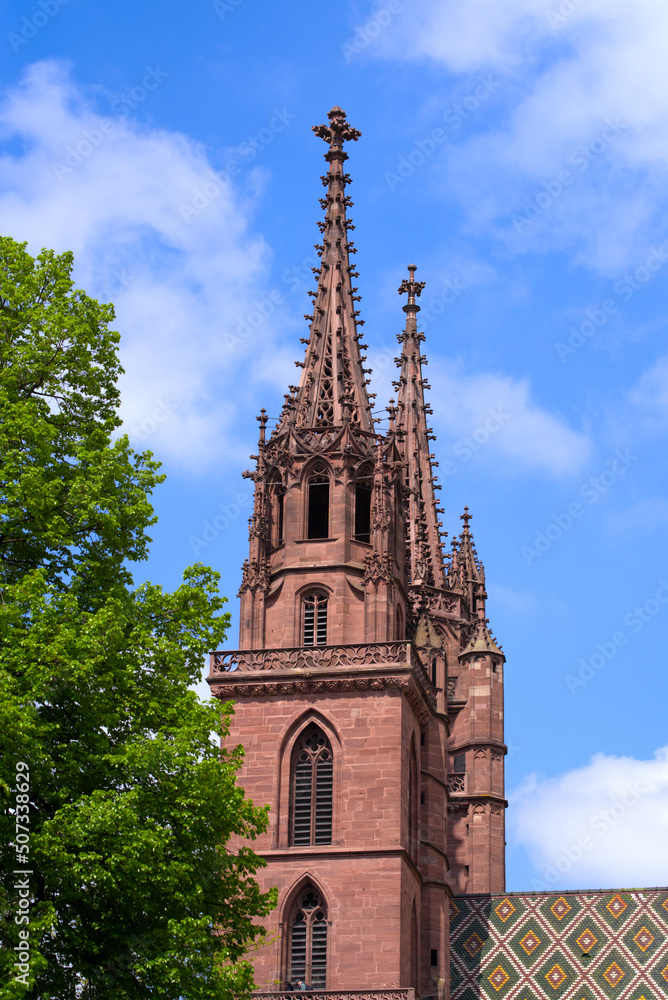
x=481 y=640
x=423 y=527
x=332 y=388
x=466 y=573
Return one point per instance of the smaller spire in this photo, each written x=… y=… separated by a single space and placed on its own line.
x=481 y=640
x=466 y=517
x=424 y=539
x=263 y=418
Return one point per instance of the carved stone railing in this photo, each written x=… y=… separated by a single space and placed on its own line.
x=317 y=669
x=314 y=669
x=456 y=783
x=388 y=994
x=317 y=657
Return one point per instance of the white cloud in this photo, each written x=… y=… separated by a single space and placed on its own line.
x=157 y=231
x=604 y=824
x=484 y=415
x=650 y=393
x=562 y=77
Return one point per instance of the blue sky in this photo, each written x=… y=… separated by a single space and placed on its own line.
x=517 y=153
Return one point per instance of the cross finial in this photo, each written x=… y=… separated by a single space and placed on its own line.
x=411 y=286
x=338 y=131
x=465 y=517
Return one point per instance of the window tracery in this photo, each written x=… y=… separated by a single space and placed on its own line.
x=312 y=777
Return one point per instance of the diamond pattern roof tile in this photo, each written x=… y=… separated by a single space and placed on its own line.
x=562 y=946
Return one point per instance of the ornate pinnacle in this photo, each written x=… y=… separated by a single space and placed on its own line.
x=411 y=286
x=263 y=418
x=466 y=517
x=338 y=131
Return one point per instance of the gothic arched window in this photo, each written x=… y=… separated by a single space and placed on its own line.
x=413 y=773
x=399 y=624
x=363 y=494
x=276 y=506
x=318 y=504
x=308 y=940
x=312 y=774
x=314 y=632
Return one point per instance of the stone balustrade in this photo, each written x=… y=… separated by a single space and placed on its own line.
x=318 y=657
x=314 y=669
x=456 y=783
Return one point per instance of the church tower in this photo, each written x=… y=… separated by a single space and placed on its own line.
x=368 y=689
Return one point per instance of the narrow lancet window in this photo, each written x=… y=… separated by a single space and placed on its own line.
x=308 y=941
x=315 y=620
x=318 y=504
x=280 y=499
x=312 y=789
x=363 y=511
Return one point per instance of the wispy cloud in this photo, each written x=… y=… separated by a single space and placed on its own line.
x=493 y=415
x=182 y=283
x=566 y=78
x=650 y=393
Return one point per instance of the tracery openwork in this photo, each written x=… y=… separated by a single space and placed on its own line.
x=312 y=776
x=308 y=940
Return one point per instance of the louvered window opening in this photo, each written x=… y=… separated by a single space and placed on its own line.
x=308 y=943
x=315 y=620
x=312 y=790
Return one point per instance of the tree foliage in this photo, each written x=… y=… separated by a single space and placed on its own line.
x=134 y=891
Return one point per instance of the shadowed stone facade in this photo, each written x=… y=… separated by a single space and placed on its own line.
x=368 y=687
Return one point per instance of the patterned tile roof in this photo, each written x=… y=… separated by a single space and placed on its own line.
x=560 y=946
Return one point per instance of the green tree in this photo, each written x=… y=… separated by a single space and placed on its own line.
x=134 y=890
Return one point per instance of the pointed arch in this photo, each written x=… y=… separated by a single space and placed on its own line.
x=414 y=945
x=399 y=628
x=306 y=929
x=276 y=507
x=317 y=480
x=314 y=619
x=311 y=784
x=330 y=786
x=363 y=495
x=413 y=793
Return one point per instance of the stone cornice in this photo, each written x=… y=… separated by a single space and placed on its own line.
x=379 y=666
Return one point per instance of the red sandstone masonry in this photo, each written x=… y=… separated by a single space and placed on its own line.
x=401 y=838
